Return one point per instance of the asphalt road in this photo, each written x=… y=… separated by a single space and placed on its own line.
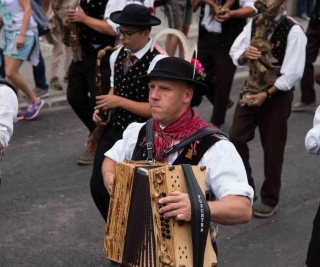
x=47 y=216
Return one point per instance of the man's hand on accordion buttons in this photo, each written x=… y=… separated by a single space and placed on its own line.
x=176 y=205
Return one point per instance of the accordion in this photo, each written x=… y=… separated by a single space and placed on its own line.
x=136 y=233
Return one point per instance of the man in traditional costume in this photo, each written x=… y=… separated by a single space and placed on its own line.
x=276 y=63
x=127 y=100
x=174 y=90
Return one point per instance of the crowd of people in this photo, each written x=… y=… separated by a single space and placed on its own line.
x=138 y=84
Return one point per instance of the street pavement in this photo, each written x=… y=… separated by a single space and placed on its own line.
x=47 y=216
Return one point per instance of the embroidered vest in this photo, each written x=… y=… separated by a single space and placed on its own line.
x=128 y=86
x=88 y=36
x=278 y=40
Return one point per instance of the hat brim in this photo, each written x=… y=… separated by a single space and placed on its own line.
x=200 y=88
x=115 y=17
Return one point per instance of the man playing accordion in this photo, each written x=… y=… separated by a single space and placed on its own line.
x=174 y=89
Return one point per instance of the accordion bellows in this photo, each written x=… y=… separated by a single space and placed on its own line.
x=136 y=233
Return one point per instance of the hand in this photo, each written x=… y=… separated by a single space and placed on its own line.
x=223 y=15
x=76 y=15
x=98 y=117
x=251 y=53
x=108 y=181
x=20 y=41
x=105 y=102
x=176 y=205
x=256 y=99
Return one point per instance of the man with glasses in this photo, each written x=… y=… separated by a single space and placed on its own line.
x=127 y=100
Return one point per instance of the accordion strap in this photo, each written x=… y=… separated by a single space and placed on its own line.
x=195 y=136
x=200 y=216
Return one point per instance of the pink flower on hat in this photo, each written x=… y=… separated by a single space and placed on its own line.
x=200 y=69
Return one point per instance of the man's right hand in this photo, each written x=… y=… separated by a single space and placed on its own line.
x=98 y=117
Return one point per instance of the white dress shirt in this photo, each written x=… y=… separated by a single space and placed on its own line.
x=312 y=140
x=211 y=25
x=226 y=174
x=294 y=60
x=8 y=113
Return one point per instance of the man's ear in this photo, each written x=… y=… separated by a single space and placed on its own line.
x=189 y=94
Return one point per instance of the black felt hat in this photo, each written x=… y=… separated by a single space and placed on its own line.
x=178 y=69
x=135 y=15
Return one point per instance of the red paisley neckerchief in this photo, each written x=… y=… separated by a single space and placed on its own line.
x=181 y=129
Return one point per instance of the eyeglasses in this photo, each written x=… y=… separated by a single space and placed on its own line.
x=126 y=34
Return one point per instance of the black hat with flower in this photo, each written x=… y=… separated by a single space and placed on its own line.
x=179 y=69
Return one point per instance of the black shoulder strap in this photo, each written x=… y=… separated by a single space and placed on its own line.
x=4 y=81
x=150 y=140
x=195 y=136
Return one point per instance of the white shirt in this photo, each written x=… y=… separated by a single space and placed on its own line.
x=139 y=55
x=226 y=174
x=294 y=60
x=211 y=25
x=8 y=113
x=312 y=140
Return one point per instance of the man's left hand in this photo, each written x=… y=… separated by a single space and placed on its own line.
x=224 y=15
x=76 y=15
x=176 y=205
x=257 y=99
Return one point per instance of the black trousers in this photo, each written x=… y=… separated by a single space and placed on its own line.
x=81 y=91
x=308 y=93
x=99 y=193
x=313 y=257
x=220 y=72
x=271 y=119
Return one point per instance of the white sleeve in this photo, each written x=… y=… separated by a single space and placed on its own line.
x=226 y=174
x=312 y=140
x=240 y=44
x=112 y=6
x=123 y=149
x=8 y=113
x=293 y=64
x=112 y=61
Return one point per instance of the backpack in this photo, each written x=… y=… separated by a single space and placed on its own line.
x=40 y=17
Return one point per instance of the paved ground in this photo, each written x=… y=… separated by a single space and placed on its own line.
x=47 y=217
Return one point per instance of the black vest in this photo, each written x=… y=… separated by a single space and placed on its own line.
x=279 y=38
x=128 y=86
x=187 y=156
x=87 y=35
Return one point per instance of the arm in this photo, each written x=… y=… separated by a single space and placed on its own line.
x=240 y=13
x=312 y=140
x=294 y=60
x=108 y=166
x=79 y=16
x=109 y=101
x=229 y=210
x=25 y=4
x=45 y=4
x=8 y=113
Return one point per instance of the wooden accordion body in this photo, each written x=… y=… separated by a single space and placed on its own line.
x=136 y=233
